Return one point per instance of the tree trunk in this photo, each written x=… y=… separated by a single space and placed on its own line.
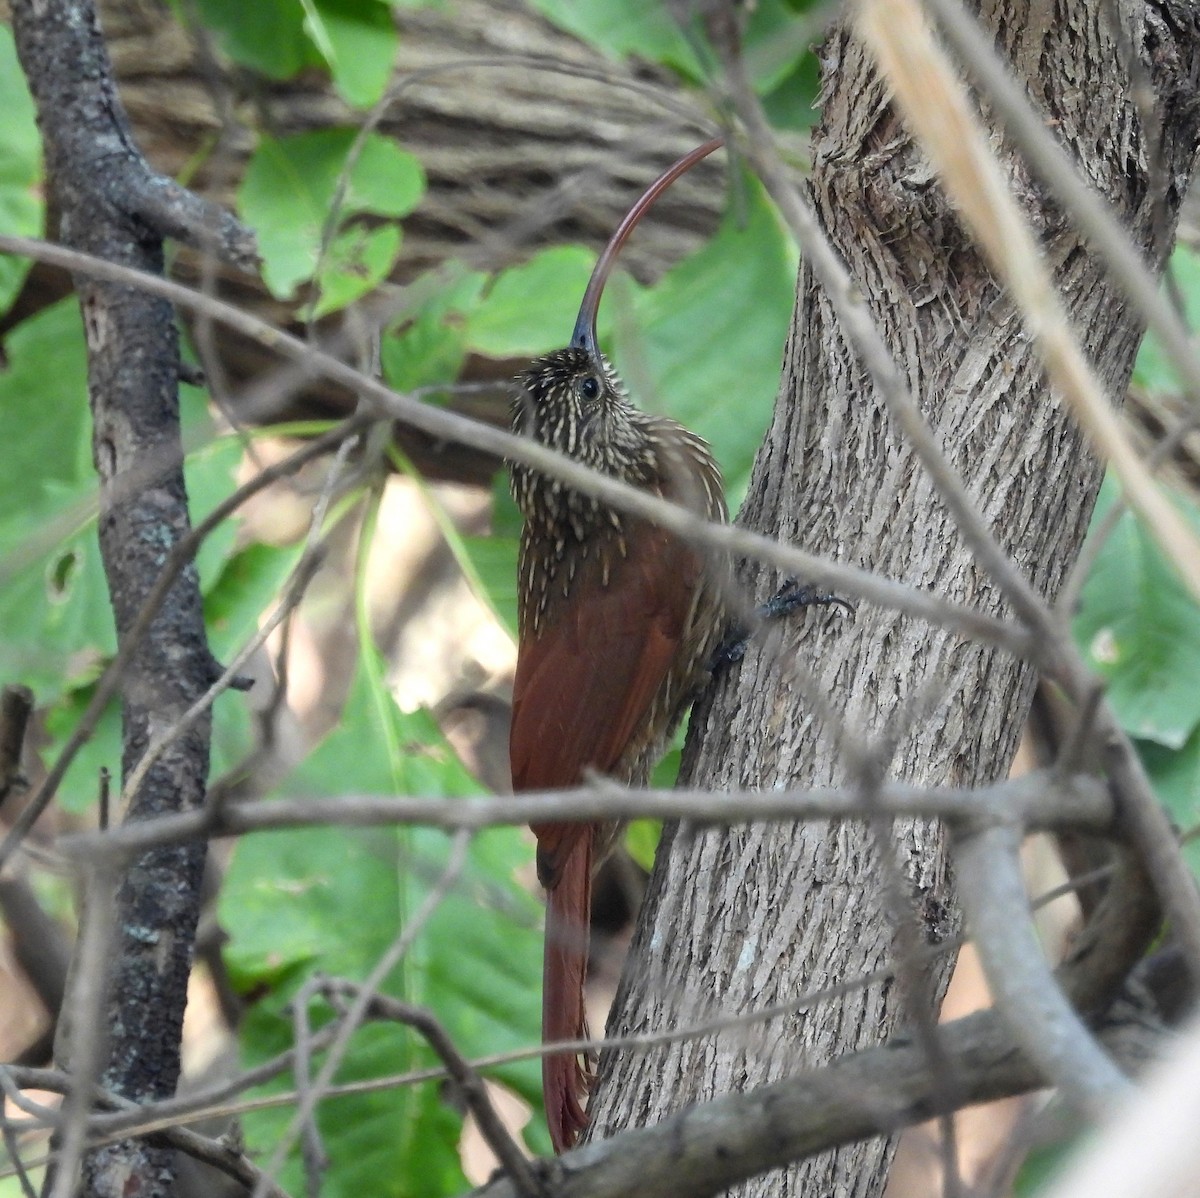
x=743 y=918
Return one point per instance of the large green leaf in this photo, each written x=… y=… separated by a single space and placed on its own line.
x=426 y=348
x=268 y=35
x=43 y=394
x=80 y=787
x=246 y=589
x=1151 y=369
x=334 y=899
x=494 y=557
x=775 y=40
x=1176 y=778
x=530 y=309
x=358 y=40
x=358 y=260
x=55 y=620
x=289 y=187
x=618 y=28
x=20 y=167
x=706 y=344
x=54 y=613
x=355 y=40
x=1140 y=629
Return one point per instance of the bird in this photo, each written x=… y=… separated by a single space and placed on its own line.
x=618 y=621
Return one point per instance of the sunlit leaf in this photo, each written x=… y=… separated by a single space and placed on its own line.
x=358 y=39
x=1140 y=629
x=289 y=188
x=706 y=344
x=530 y=309
x=641 y=841
x=358 y=260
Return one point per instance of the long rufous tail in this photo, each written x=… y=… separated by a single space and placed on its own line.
x=565 y=1077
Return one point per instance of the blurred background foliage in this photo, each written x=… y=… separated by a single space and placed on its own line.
x=701 y=339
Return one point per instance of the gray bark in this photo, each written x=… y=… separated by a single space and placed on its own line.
x=111 y=205
x=743 y=918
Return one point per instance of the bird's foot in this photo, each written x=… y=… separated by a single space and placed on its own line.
x=795 y=594
x=790 y=597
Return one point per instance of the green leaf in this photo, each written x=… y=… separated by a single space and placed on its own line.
x=792 y=104
x=55 y=619
x=248 y=587
x=358 y=39
x=80 y=788
x=776 y=43
x=428 y=352
x=20 y=167
x=622 y=27
x=289 y=187
x=1044 y=1163
x=530 y=309
x=641 y=841
x=359 y=259
x=1176 y=778
x=1140 y=630
x=775 y=39
x=46 y=373
x=211 y=474
x=495 y=561
x=1152 y=370
x=494 y=557
x=706 y=343
x=333 y=899
x=428 y=349
x=268 y=35
x=355 y=40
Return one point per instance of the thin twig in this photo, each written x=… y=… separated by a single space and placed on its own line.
x=82 y=1026
x=358 y=1008
x=467 y=1081
x=316 y=1160
x=1041 y=800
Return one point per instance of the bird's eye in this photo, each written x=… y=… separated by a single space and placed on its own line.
x=589 y=388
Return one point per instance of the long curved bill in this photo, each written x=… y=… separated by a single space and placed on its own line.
x=584 y=336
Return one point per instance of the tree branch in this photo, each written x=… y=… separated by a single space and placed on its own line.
x=1039 y=800
x=112 y=206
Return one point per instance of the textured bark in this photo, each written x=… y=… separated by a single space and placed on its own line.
x=744 y=918
x=110 y=205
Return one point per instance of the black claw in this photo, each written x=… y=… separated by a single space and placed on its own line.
x=793 y=595
x=730 y=651
x=790 y=597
